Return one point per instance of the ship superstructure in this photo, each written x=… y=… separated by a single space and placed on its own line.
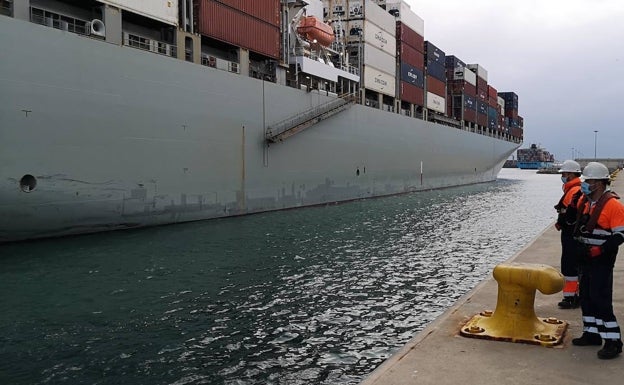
x=118 y=114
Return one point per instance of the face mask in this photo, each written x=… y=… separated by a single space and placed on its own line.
x=585 y=188
x=564 y=180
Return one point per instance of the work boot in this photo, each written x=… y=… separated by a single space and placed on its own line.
x=588 y=339
x=569 y=302
x=610 y=349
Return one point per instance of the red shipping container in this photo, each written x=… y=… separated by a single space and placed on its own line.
x=470 y=115
x=460 y=87
x=482 y=119
x=511 y=113
x=411 y=56
x=482 y=95
x=435 y=86
x=231 y=26
x=409 y=36
x=411 y=94
x=482 y=85
x=492 y=93
x=493 y=102
x=266 y=10
x=520 y=121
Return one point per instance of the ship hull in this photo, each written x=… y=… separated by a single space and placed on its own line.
x=121 y=138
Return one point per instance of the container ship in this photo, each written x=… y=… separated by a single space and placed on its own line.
x=535 y=158
x=118 y=114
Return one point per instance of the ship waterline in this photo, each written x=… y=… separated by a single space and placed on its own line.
x=96 y=136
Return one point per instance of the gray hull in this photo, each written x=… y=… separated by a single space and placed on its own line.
x=118 y=138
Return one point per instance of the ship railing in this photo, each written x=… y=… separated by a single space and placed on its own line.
x=6 y=7
x=275 y=131
x=146 y=44
x=57 y=21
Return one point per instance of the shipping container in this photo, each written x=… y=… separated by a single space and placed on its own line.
x=234 y=27
x=455 y=87
x=164 y=11
x=411 y=94
x=379 y=59
x=436 y=103
x=403 y=13
x=511 y=113
x=520 y=121
x=410 y=37
x=434 y=54
x=482 y=85
x=510 y=98
x=411 y=56
x=379 y=81
x=492 y=112
x=412 y=75
x=492 y=93
x=453 y=62
x=501 y=103
x=493 y=122
x=436 y=70
x=470 y=115
x=355 y=9
x=435 y=86
x=265 y=10
x=465 y=74
x=470 y=103
x=482 y=119
x=479 y=70
x=482 y=108
x=377 y=15
x=380 y=38
x=482 y=95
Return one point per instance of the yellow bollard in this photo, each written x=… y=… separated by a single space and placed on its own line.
x=514 y=319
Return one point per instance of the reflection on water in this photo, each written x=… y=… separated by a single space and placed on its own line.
x=311 y=296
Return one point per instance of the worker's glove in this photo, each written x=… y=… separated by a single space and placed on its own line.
x=594 y=251
x=558 y=226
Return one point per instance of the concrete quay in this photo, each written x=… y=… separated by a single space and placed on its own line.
x=440 y=355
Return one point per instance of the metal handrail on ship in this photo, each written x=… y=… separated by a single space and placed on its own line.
x=286 y=124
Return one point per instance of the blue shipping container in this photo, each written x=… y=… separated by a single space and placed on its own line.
x=492 y=113
x=470 y=103
x=453 y=62
x=434 y=54
x=482 y=108
x=436 y=70
x=412 y=75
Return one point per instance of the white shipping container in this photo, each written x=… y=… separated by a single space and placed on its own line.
x=402 y=11
x=314 y=8
x=379 y=59
x=377 y=15
x=462 y=73
x=379 y=81
x=165 y=11
x=501 y=102
x=353 y=27
x=380 y=38
x=481 y=72
x=436 y=103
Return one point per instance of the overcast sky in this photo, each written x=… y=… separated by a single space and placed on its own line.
x=564 y=59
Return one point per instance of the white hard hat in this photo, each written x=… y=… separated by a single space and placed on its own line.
x=595 y=170
x=570 y=166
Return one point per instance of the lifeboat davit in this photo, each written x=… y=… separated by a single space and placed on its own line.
x=311 y=28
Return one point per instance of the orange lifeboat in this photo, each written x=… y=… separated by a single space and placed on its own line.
x=311 y=28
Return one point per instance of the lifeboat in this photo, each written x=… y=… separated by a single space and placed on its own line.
x=311 y=28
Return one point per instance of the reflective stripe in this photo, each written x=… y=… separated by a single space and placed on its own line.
x=570 y=288
x=610 y=336
x=589 y=319
x=591 y=241
x=571 y=279
x=611 y=324
x=599 y=322
x=592 y=329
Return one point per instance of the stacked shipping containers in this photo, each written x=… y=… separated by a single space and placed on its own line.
x=410 y=30
x=482 y=94
x=514 y=122
x=462 y=90
x=435 y=78
x=254 y=25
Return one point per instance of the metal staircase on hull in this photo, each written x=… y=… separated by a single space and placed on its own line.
x=295 y=124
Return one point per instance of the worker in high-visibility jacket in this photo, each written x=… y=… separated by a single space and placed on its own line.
x=600 y=229
x=566 y=219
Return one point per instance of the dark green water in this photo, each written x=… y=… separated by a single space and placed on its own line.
x=311 y=296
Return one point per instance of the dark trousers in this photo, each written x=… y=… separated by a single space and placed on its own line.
x=569 y=255
x=596 y=291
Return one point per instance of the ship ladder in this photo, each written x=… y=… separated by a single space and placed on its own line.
x=299 y=122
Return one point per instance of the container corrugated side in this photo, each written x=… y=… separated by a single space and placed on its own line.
x=465 y=74
x=410 y=37
x=266 y=10
x=411 y=93
x=379 y=81
x=436 y=103
x=165 y=11
x=411 y=56
x=412 y=75
x=434 y=54
x=436 y=70
x=379 y=59
x=481 y=72
x=374 y=13
x=229 y=25
x=436 y=86
x=380 y=38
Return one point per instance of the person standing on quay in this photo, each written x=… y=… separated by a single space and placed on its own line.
x=600 y=228
x=566 y=219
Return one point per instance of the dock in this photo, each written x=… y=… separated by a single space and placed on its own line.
x=440 y=355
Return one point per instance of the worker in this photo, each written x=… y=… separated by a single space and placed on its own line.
x=566 y=219
x=600 y=230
